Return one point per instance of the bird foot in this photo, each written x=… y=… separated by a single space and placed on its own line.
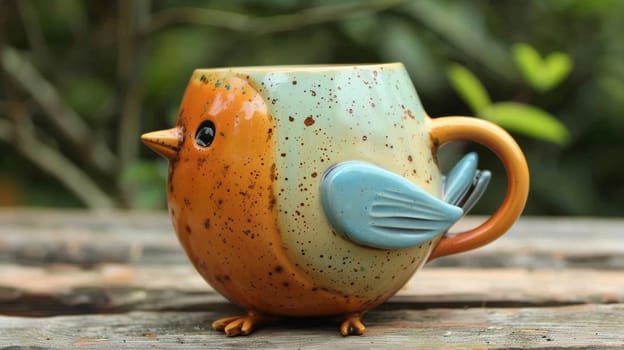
x=352 y=325
x=240 y=325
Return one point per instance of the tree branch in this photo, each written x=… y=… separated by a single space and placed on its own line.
x=33 y=30
x=22 y=135
x=71 y=125
x=132 y=16
x=262 y=25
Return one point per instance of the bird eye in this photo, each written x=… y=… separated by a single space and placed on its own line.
x=205 y=133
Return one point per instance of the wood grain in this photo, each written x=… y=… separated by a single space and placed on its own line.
x=388 y=328
x=118 y=288
x=101 y=280
x=77 y=237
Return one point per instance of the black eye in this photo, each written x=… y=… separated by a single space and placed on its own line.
x=205 y=133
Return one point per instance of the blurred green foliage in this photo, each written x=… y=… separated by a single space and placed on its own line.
x=532 y=121
x=469 y=88
x=543 y=74
x=528 y=120
x=122 y=68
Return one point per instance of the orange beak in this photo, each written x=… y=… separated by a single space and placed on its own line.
x=164 y=142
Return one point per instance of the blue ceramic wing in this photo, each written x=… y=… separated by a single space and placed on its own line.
x=464 y=184
x=481 y=181
x=377 y=208
x=458 y=181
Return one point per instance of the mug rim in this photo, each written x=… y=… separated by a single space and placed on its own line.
x=304 y=68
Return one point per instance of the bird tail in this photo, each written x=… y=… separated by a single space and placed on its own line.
x=465 y=184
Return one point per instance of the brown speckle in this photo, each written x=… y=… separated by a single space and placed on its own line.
x=207 y=223
x=224 y=278
x=187 y=202
x=364 y=138
x=410 y=114
x=410 y=158
x=278 y=269
x=314 y=174
x=309 y=121
x=188 y=229
x=290 y=118
x=272 y=199
x=313 y=92
x=273 y=170
x=294 y=82
x=269 y=134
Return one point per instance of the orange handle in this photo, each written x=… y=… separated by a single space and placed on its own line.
x=446 y=129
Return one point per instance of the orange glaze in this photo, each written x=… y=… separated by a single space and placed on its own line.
x=223 y=206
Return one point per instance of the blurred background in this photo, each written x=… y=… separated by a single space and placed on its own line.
x=81 y=80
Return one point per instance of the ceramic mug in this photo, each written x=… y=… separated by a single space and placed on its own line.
x=315 y=190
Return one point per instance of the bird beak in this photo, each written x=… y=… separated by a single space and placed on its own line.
x=164 y=142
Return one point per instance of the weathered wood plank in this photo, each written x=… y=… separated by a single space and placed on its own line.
x=582 y=326
x=538 y=242
x=88 y=238
x=64 y=289
x=549 y=283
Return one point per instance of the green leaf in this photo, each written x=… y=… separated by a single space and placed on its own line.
x=542 y=74
x=527 y=120
x=468 y=87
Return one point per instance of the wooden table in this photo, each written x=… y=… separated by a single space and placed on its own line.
x=76 y=279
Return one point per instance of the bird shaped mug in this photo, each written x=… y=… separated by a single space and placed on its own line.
x=315 y=191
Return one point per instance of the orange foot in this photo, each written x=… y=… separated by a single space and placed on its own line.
x=240 y=325
x=352 y=325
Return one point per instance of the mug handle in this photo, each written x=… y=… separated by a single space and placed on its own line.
x=446 y=129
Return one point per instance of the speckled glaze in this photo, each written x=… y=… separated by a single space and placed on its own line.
x=323 y=118
x=247 y=209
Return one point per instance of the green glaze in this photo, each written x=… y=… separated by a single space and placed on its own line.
x=325 y=115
